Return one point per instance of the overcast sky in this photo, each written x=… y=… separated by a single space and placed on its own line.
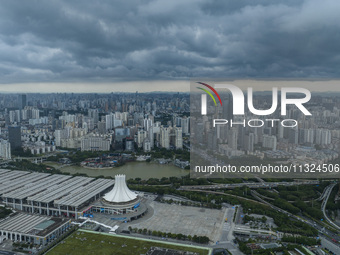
x=160 y=45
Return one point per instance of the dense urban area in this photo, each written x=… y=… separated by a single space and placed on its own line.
x=63 y=190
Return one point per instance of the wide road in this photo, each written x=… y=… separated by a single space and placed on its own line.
x=330 y=246
x=226 y=194
x=327 y=192
x=252 y=185
x=313 y=224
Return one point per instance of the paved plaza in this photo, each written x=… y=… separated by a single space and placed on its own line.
x=186 y=220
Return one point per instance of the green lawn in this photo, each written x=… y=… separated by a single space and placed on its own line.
x=92 y=243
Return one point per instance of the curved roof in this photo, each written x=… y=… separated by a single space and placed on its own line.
x=120 y=192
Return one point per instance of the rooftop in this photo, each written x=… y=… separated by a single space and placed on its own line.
x=120 y=192
x=31 y=224
x=47 y=188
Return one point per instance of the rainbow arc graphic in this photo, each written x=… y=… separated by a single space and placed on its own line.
x=209 y=93
x=204 y=97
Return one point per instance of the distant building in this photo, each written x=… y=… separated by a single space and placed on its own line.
x=232 y=138
x=178 y=138
x=94 y=114
x=185 y=125
x=22 y=101
x=293 y=136
x=95 y=143
x=121 y=133
x=151 y=136
x=29 y=112
x=39 y=147
x=59 y=134
x=14 y=116
x=109 y=121
x=42 y=120
x=141 y=135
x=165 y=137
x=112 y=122
x=101 y=127
x=88 y=123
x=5 y=149
x=69 y=137
x=249 y=142
x=36 y=229
x=146 y=145
x=270 y=141
x=129 y=144
x=14 y=135
x=323 y=136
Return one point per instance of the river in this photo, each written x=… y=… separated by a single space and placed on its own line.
x=133 y=170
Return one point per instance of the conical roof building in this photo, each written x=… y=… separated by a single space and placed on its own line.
x=120 y=192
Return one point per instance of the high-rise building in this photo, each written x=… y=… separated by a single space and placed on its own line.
x=89 y=123
x=178 y=138
x=270 y=141
x=185 y=125
x=129 y=144
x=102 y=127
x=14 y=136
x=14 y=116
x=151 y=136
x=141 y=135
x=293 y=136
x=228 y=107
x=147 y=123
x=249 y=142
x=22 y=101
x=165 y=137
x=94 y=114
x=121 y=133
x=146 y=145
x=323 y=136
x=280 y=131
x=95 y=143
x=232 y=138
x=109 y=120
x=35 y=114
x=5 y=149
x=307 y=135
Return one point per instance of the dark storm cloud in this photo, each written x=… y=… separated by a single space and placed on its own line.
x=142 y=40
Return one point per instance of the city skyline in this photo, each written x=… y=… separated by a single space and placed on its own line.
x=60 y=152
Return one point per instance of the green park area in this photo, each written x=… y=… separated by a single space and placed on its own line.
x=82 y=242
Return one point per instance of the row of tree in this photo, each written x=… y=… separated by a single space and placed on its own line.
x=284 y=249
x=195 y=238
x=185 y=203
x=301 y=240
x=27 y=165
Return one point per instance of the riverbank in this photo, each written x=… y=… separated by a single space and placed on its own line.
x=143 y=170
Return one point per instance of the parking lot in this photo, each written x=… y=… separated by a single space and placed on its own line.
x=186 y=220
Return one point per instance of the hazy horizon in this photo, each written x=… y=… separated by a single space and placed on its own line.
x=165 y=86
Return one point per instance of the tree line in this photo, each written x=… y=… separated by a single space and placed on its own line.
x=195 y=238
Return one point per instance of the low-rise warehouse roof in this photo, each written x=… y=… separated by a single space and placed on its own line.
x=61 y=190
